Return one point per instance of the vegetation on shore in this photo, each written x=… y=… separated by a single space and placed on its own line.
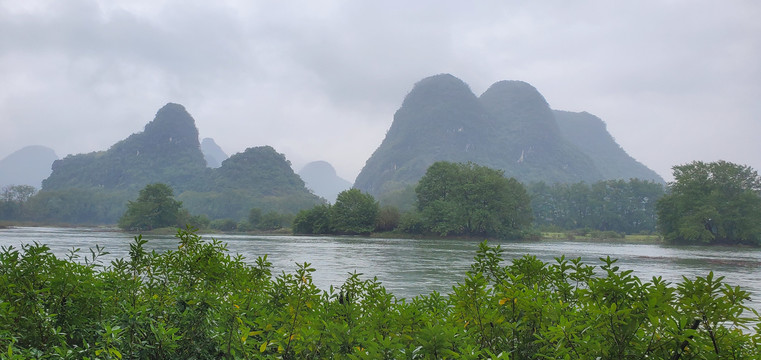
x=453 y=199
x=200 y=302
x=708 y=203
x=712 y=203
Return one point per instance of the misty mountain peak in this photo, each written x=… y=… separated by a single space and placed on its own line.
x=440 y=88
x=589 y=133
x=166 y=151
x=172 y=124
x=441 y=102
x=213 y=154
x=440 y=119
x=510 y=127
x=27 y=166
x=514 y=92
x=319 y=167
x=518 y=108
x=321 y=177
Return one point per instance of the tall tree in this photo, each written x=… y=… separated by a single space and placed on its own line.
x=313 y=221
x=12 y=200
x=468 y=199
x=712 y=203
x=354 y=212
x=615 y=205
x=155 y=207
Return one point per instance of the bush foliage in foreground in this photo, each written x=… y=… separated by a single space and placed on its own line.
x=200 y=302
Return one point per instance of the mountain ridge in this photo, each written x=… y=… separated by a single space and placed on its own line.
x=321 y=177
x=212 y=153
x=510 y=127
x=29 y=165
x=168 y=151
x=589 y=133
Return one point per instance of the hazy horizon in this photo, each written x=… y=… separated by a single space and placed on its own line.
x=674 y=81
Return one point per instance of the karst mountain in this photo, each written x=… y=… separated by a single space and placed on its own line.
x=168 y=151
x=510 y=127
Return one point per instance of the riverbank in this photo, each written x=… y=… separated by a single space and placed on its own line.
x=226 y=306
x=627 y=239
x=590 y=236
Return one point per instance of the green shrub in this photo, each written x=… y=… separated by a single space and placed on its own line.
x=313 y=221
x=388 y=219
x=596 y=234
x=200 y=302
x=411 y=222
x=224 y=225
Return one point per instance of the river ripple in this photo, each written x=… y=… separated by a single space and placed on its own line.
x=411 y=267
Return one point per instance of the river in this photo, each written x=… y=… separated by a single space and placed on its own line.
x=411 y=267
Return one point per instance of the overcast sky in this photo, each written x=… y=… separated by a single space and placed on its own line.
x=675 y=81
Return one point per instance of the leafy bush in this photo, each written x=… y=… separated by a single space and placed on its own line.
x=273 y=220
x=606 y=235
x=224 y=225
x=712 y=203
x=185 y=219
x=411 y=222
x=200 y=302
x=313 y=221
x=155 y=207
x=473 y=200
x=354 y=212
x=388 y=219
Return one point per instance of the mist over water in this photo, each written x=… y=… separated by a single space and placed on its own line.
x=408 y=268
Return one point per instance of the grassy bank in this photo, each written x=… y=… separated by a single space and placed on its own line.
x=601 y=237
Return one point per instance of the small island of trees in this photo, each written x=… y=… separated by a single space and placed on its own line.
x=452 y=200
x=712 y=203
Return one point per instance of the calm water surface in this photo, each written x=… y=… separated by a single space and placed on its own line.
x=411 y=267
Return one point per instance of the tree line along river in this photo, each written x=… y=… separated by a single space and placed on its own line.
x=408 y=267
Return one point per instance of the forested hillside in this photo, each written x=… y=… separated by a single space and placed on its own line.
x=526 y=142
x=590 y=135
x=167 y=151
x=259 y=177
x=94 y=187
x=510 y=127
x=440 y=119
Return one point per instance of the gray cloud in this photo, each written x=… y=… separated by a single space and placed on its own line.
x=675 y=81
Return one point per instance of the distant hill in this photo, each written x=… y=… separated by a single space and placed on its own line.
x=321 y=177
x=212 y=153
x=440 y=119
x=589 y=133
x=258 y=177
x=510 y=127
x=27 y=166
x=168 y=151
x=526 y=142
